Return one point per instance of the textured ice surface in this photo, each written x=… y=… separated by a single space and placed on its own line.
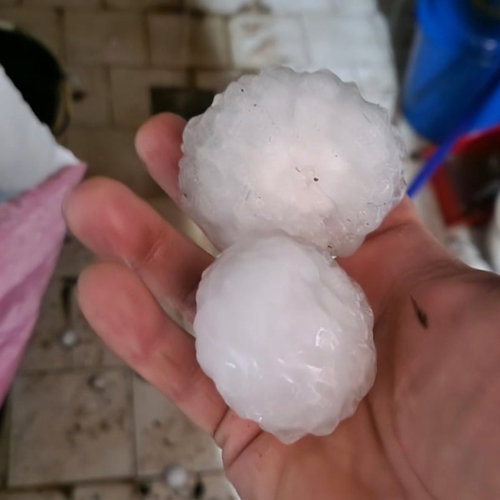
x=300 y=152
x=286 y=336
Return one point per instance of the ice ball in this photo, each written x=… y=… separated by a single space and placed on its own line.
x=299 y=152
x=285 y=335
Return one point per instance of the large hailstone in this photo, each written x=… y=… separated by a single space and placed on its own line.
x=300 y=152
x=286 y=336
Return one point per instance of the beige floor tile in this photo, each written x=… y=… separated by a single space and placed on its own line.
x=224 y=7
x=43 y=25
x=180 y=41
x=70 y=427
x=44 y=349
x=94 y=107
x=131 y=92
x=165 y=437
x=60 y=342
x=111 y=152
x=67 y=4
x=112 y=491
x=33 y=495
x=169 y=40
x=105 y=37
x=215 y=80
x=218 y=487
x=260 y=40
x=142 y=4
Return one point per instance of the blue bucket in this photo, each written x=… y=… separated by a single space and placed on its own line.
x=454 y=66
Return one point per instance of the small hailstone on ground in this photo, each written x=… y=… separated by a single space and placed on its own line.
x=286 y=336
x=176 y=476
x=69 y=339
x=299 y=152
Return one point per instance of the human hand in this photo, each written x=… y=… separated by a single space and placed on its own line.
x=427 y=429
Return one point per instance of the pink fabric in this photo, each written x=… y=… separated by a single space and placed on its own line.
x=32 y=230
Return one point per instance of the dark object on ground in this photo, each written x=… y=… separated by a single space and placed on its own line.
x=184 y=102
x=37 y=75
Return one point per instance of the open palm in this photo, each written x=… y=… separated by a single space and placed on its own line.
x=428 y=428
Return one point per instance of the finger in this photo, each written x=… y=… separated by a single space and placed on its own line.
x=124 y=313
x=158 y=144
x=115 y=224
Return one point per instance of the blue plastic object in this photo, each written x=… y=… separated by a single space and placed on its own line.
x=475 y=121
x=455 y=59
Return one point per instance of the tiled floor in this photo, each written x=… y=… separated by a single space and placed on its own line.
x=80 y=425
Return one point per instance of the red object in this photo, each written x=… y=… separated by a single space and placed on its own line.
x=467 y=182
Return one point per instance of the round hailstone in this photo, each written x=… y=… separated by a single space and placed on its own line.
x=299 y=152
x=285 y=335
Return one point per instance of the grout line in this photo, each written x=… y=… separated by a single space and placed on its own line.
x=97 y=481
x=61 y=28
x=111 y=480
x=191 y=78
x=147 y=37
x=133 y=426
x=5 y=429
x=110 y=95
x=66 y=371
x=228 y=45
x=187 y=33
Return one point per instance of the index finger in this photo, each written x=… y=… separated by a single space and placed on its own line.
x=158 y=144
